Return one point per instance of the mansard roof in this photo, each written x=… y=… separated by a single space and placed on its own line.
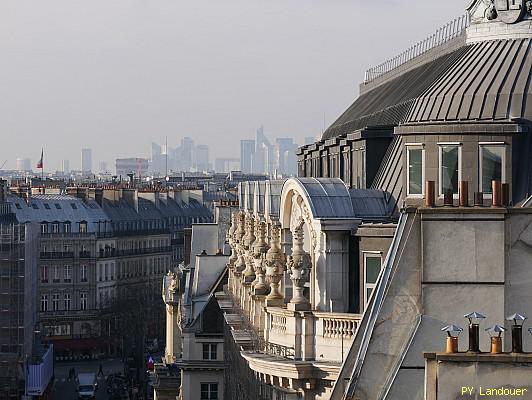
x=483 y=81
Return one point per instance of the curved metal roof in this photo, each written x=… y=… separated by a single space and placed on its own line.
x=327 y=197
x=491 y=81
x=482 y=81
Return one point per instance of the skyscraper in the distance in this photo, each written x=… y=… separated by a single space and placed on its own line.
x=65 y=167
x=187 y=153
x=23 y=164
x=202 y=158
x=86 y=160
x=247 y=150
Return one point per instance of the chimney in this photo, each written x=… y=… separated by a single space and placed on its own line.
x=430 y=194
x=463 y=194
x=448 y=200
x=496 y=195
x=505 y=194
x=474 y=337
x=517 y=332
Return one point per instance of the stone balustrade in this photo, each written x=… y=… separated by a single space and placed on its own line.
x=256 y=269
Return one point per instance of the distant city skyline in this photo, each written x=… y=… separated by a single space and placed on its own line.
x=74 y=76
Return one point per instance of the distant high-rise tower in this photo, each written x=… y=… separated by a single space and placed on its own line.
x=263 y=157
x=65 y=167
x=187 y=153
x=103 y=167
x=247 y=150
x=86 y=160
x=23 y=164
x=202 y=157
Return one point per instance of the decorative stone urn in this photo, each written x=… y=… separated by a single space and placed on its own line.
x=299 y=269
x=274 y=263
x=260 y=247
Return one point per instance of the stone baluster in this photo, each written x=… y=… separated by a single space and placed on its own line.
x=275 y=267
x=249 y=239
x=260 y=247
x=299 y=265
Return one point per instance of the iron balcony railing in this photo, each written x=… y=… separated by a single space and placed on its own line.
x=443 y=35
x=134 y=252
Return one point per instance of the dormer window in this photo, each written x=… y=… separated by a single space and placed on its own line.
x=415 y=160
x=83 y=227
x=450 y=167
x=492 y=165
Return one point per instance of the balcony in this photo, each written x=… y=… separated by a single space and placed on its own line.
x=133 y=252
x=56 y=255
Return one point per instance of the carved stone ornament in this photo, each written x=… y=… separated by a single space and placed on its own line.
x=274 y=264
x=259 y=251
x=299 y=267
x=510 y=11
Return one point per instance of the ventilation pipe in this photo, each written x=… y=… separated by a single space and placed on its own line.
x=453 y=331
x=474 y=337
x=463 y=194
x=496 y=195
x=495 y=333
x=517 y=332
x=430 y=194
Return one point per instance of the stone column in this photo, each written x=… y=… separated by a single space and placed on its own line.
x=299 y=268
x=260 y=247
x=275 y=267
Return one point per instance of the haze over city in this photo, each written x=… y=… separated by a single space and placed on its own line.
x=115 y=76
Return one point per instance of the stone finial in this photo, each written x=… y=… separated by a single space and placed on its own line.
x=274 y=264
x=299 y=267
x=259 y=250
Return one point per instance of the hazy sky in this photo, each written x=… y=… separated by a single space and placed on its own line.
x=115 y=75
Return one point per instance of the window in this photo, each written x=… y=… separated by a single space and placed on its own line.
x=83 y=273
x=67 y=228
x=44 y=274
x=67 y=273
x=68 y=302
x=56 y=273
x=83 y=301
x=44 y=227
x=55 y=228
x=34 y=206
x=209 y=351
x=55 y=302
x=47 y=206
x=44 y=302
x=372 y=269
x=415 y=159
x=106 y=272
x=450 y=169
x=209 y=391
x=82 y=227
x=492 y=165
x=58 y=206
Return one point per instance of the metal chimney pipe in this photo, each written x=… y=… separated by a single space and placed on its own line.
x=463 y=194
x=448 y=200
x=505 y=194
x=478 y=199
x=496 y=344
x=517 y=338
x=430 y=194
x=496 y=193
x=452 y=344
x=474 y=338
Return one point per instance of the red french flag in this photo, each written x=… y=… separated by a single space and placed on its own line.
x=40 y=163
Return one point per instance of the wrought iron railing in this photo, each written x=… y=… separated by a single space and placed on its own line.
x=443 y=35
